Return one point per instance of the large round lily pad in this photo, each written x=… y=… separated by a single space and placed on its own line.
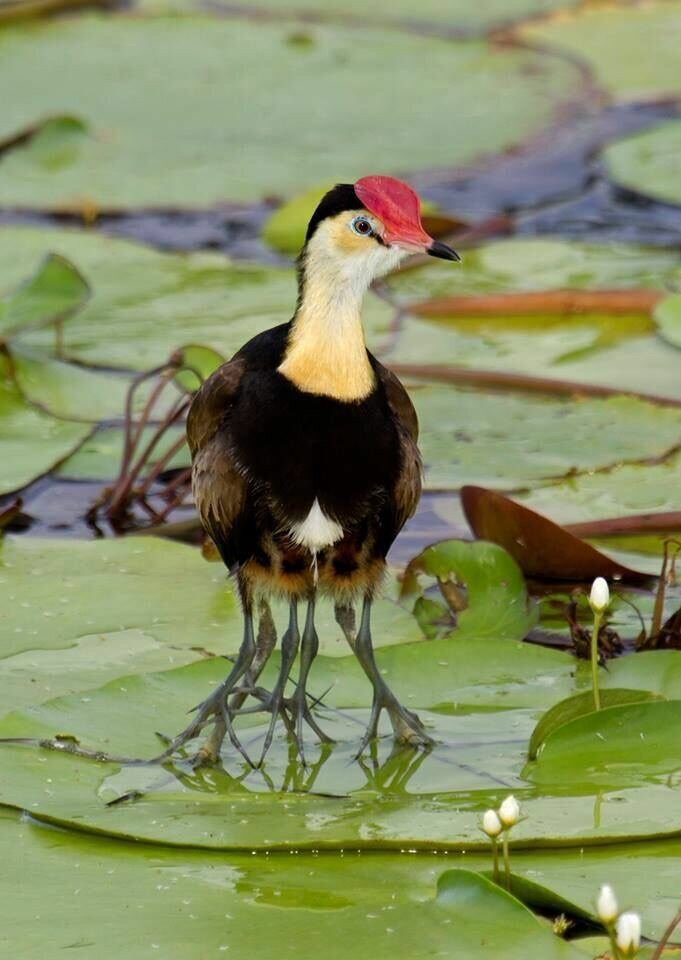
x=64 y=627
x=223 y=127
x=509 y=441
x=631 y=49
x=649 y=163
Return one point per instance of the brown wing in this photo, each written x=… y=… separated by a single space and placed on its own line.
x=218 y=485
x=408 y=485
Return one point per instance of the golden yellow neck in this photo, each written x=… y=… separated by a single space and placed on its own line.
x=326 y=353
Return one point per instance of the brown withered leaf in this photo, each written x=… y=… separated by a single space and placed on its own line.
x=540 y=547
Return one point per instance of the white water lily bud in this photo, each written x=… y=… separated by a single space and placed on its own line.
x=509 y=811
x=628 y=933
x=491 y=824
x=607 y=905
x=599 y=598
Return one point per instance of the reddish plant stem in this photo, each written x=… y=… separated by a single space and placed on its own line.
x=555 y=302
x=635 y=523
x=499 y=379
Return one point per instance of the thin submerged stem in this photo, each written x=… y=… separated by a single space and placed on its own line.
x=507 y=860
x=495 y=858
x=598 y=619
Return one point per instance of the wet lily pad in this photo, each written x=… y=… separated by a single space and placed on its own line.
x=648 y=163
x=32 y=442
x=65 y=596
x=527 y=264
x=626 y=489
x=496 y=602
x=407 y=800
x=206 y=143
x=618 y=743
x=668 y=317
x=580 y=705
x=632 y=50
x=458 y=15
x=507 y=441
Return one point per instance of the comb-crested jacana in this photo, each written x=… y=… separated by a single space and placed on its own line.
x=305 y=463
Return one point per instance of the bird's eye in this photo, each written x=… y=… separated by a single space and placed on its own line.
x=362 y=226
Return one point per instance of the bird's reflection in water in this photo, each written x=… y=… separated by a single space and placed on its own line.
x=387 y=774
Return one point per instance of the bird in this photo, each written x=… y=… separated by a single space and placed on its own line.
x=305 y=467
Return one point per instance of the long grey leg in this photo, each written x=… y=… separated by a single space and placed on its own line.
x=407 y=728
x=215 y=708
x=289 y=649
x=308 y=651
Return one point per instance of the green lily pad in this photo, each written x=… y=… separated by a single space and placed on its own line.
x=65 y=596
x=618 y=742
x=199 y=116
x=408 y=800
x=69 y=391
x=632 y=50
x=146 y=305
x=580 y=705
x=506 y=441
x=59 y=591
x=497 y=604
x=199 y=362
x=626 y=489
x=55 y=291
x=668 y=318
x=648 y=163
x=392 y=904
x=458 y=15
x=32 y=442
x=526 y=264
x=515 y=931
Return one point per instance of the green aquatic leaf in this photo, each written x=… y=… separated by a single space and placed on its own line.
x=632 y=50
x=55 y=291
x=617 y=743
x=648 y=163
x=32 y=441
x=580 y=705
x=285 y=229
x=207 y=145
x=496 y=601
x=197 y=364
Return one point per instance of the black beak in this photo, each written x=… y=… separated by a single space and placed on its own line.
x=441 y=250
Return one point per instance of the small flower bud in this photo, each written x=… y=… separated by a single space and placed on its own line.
x=599 y=598
x=491 y=824
x=608 y=910
x=509 y=812
x=628 y=933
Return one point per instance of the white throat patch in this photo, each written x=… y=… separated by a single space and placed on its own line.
x=316 y=531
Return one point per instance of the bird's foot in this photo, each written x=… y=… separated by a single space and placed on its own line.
x=302 y=714
x=213 y=710
x=407 y=727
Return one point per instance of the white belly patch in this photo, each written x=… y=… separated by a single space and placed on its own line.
x=316 y=531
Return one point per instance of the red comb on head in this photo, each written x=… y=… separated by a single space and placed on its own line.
x=396 y=205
